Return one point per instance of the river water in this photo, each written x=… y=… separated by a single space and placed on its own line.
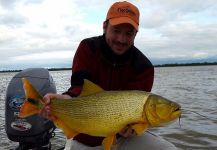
x=195 y=88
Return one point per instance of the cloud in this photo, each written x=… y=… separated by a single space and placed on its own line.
x=13 y=19
x=11 y=4
x=44 y=56
x=155 y=13
x=7 y=4
x=42 y=59
x=178 y=29
x=34 y=29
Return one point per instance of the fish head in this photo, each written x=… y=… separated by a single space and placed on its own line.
x=160 y=111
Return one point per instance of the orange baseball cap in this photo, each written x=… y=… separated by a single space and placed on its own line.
x=123 y=12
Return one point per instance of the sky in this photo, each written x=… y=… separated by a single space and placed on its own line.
x=46 y=33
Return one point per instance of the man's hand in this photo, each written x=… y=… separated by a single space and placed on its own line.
x=127 y=132
x=45 y=111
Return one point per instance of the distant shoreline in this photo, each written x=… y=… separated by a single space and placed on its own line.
x=163 y=65
x=187 y=64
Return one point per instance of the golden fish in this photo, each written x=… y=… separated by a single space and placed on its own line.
x=103 y=113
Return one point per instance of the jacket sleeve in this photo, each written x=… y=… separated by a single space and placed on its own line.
x=80 y=69
x=142 y=80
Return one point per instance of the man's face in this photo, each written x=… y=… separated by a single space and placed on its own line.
x=119 y=37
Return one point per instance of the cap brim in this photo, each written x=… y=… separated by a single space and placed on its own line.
x=120 y=20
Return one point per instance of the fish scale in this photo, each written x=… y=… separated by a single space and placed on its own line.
x=105 y=108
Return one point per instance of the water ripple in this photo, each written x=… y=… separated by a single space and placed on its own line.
x=192 y=87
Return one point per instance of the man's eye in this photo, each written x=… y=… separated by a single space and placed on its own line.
x=129 y=34
x=116 y=31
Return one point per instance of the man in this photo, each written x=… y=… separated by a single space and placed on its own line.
x=114 y=63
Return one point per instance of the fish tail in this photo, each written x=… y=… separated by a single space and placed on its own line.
x=33 y=100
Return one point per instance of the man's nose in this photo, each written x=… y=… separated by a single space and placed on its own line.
x=121 y=38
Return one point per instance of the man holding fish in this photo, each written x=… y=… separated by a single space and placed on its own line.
x=113 y=63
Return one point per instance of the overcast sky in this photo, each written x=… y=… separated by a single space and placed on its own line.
x=39 y=33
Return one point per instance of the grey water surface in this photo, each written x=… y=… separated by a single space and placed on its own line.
x=194 y=88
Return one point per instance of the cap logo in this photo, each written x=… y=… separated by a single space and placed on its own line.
x=126 y=11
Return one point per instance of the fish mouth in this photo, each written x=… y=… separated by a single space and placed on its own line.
x=177 y=109
x=177 y=112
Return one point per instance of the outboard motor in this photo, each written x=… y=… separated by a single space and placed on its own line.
x=33 y=132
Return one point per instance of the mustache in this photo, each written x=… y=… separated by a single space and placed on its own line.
x=120 y=43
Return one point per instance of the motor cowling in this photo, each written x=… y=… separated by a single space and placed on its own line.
x=33 y=131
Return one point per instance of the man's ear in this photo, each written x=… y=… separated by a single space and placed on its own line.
x=105 y=25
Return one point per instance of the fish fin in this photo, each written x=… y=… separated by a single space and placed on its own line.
x=30 y=91
x=90 y=88
x=108 y=141
x=140 y=128
x=70 y=133
x=28 y=109
x=32 y=100
x=114 y=140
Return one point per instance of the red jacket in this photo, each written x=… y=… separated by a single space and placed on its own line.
x=95 y=61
